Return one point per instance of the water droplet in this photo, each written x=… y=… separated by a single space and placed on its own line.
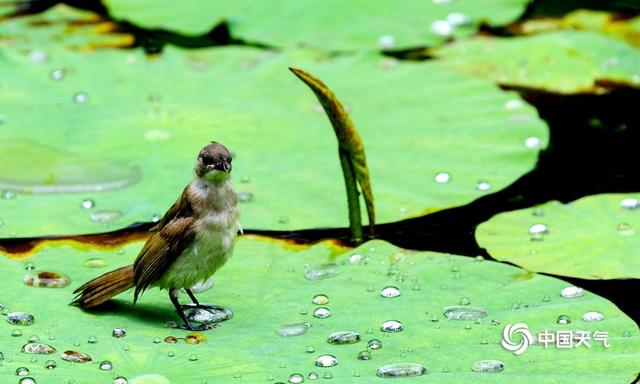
x=92 y=340
x=157 y=340
x=208 y=315
x=320 y=299
x=61 y=171
x=105 y=216
x=355 y=258
x=390 y=291
x=8 y=194
x=572 y=292
x=46 y=279
x=386 y=42
x=244 y=197
x=456 y=312
x=293 y=329
x=402 y=370
x=546 y=299
x=38 y=56
x=57 y=74
x=313 y=376
x=391 y=326
x=119 y=332
x=322 y=312
x=120 y=380
x=27 y=380
x=321 y=272
x=75 y=357
x=171 y=354
x=310 y=349
x=364 y=355
x=87 y=204
x=483 y=186
x=283 y=219
x=442 y=28
x=464 y=301
x=50 y=364
x=16 y=333
x=296 y=378
x=22 y=371
x=484 y=340
x=513 y=104
x=95 y=262
x=629 y=203
x=456 y=19
x=195 y=338
x=81 y=97
x=592 y=316
x=374 y=344
x=38 y=349
x=170 y=340
x=487 y=366
x=532 y=142
x=20 y=318
x=343 y=337
x=106 y=365
x=325 y=361
x=442 y=177
x=563 y=319
x=625 y=229
x=193 y=357
x=155 y=218
x=537 y=231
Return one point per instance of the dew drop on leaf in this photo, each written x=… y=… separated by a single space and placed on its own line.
x=325 y=361
x=402 y=370
x=391 y=326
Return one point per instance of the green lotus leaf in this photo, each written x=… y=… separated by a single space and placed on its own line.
x=596 y=21
x=329 y=25
x=126 y=110
x=591 y=238
x=265 y=286
x=563 y=61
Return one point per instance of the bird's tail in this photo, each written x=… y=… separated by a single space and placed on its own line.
x=102 y=288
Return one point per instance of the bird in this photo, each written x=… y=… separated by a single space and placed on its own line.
x=193 y=239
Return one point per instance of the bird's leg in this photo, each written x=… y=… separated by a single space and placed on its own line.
x=197 y=303
x=192 y=296
x=173 y=295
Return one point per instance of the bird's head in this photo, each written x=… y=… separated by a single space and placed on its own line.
x=214 y=163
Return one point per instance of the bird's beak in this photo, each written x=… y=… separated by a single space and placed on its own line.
x=223 y=166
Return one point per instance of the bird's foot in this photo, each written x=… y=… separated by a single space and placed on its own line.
x=195 y=328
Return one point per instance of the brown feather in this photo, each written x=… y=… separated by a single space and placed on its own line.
x=104 y=287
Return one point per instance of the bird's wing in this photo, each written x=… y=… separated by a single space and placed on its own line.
x=181 y=208
x=177 y=229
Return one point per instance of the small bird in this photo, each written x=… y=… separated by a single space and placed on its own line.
x=193 y=240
